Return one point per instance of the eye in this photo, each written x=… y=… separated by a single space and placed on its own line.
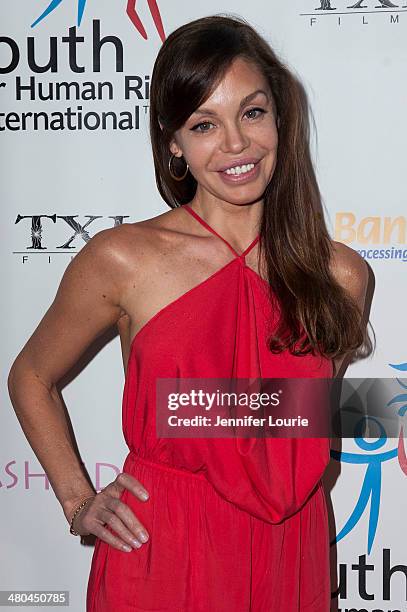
x=195 y=128
x=262 y=111
x=203 y=123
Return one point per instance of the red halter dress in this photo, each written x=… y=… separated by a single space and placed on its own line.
x=233 y=527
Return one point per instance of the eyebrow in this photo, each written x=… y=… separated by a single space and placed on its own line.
x=246 y=100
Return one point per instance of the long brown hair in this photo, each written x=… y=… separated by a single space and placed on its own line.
x=293 y=235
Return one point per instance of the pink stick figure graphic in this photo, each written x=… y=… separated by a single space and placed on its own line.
x=135 y=19
x=402 y=457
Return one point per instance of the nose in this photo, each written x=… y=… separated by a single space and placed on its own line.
x=234 y=139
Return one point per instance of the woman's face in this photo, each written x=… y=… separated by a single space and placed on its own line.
x=227 y=130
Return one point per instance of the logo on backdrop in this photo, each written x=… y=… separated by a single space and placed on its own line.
x=371 y=487
x=327 y=6
x=363 y=8
x=367 y=234
x=63 y=101
x=130 y=10
x=36 y=224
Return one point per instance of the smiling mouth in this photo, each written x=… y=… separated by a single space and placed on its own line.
x=240 y=172
x=241 y=177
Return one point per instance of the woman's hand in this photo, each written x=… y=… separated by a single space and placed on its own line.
x=107 y=509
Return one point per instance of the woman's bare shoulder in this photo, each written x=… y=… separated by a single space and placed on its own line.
x=114 y=250
x=148 y=234
x=90 y=297
x=350 y=270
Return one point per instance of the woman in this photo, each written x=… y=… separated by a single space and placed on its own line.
x=239 y=279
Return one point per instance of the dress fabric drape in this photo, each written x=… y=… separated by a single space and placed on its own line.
x=235 y=524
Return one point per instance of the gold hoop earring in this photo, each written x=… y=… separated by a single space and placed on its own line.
x=174 y=176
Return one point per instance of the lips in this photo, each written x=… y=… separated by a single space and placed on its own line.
x=241 y=177
x=239 y=162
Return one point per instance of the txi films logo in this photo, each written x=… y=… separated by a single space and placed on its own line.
x=362 y=8
x=326 y=5
x=130 y=11
x=371 y=487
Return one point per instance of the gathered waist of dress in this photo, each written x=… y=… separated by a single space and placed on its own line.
x=135 y=459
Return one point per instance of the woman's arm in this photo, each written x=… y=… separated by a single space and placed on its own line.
x=86 y=304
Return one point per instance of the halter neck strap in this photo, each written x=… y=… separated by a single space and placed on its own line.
x=210 y=229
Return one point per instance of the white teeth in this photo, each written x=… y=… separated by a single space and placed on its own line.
x=240 y=169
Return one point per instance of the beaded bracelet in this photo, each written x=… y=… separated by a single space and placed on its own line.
x=85 y=501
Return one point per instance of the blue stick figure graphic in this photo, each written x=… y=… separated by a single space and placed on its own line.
x=53 y=5
x=371 y=487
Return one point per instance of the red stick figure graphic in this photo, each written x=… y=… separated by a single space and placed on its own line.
x=135 y=19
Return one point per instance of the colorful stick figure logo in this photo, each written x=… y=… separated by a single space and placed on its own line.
x=130 y=10
x=371 y=487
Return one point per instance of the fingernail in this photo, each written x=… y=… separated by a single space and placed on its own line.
x=143 y=536
x=136 y=543
x=127 y=548
x=144 y=495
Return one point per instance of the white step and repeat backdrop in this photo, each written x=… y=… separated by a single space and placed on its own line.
x=67 y=172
